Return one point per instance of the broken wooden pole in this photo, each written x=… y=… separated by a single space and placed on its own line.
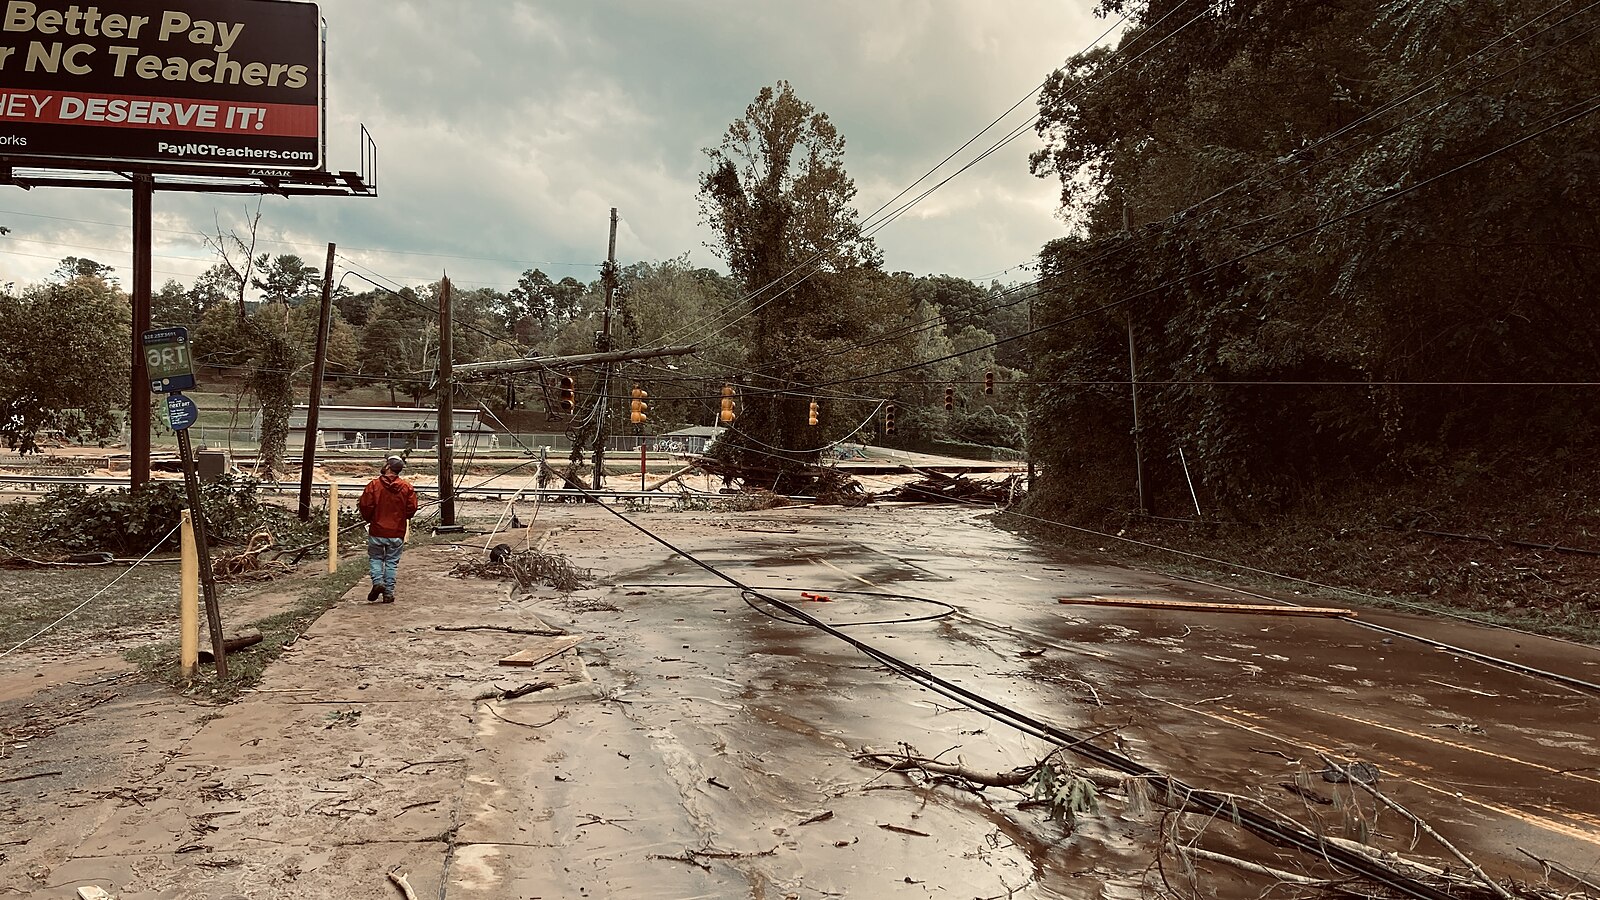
x=234 y=642
x=656 y=486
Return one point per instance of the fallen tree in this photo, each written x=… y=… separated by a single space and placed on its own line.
x=1070 y=792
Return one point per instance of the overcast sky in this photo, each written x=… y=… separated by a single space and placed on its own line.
x=507 y=130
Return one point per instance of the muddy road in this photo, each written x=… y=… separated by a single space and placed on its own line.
x=699 y=744
x=752 y=721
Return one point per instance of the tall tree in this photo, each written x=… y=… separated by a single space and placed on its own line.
x=777 y=198
x=285 y=279
x=63 y=361
x=82 y=267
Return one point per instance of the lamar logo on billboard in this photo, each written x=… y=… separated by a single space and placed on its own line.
x=111 y=82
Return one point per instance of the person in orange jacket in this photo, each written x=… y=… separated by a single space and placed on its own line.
x=386 y=505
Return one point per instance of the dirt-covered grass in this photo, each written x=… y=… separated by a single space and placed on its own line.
x=1392 y=549
x=142 y=600
x=312 y=595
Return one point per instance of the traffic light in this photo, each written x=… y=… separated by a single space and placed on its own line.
x=567 y=395
x=949 y=399
x=639 y=408
x=888 y=419
x=812 y=419
x=728 y=415
x=988 y=382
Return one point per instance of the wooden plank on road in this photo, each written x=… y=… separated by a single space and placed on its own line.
x=544 y=650
x=1192 y=606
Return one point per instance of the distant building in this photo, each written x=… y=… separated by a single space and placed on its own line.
x=389 y=428
x=694 y=439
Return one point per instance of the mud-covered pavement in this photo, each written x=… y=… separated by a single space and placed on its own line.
x=697 y=746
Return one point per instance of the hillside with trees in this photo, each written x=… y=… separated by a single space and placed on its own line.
x=1337 y=262
x=1353 y=248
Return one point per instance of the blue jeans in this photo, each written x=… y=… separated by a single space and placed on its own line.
x=383 y=558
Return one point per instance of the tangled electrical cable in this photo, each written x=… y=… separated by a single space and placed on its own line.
x=1222 y=806
x=751 y=595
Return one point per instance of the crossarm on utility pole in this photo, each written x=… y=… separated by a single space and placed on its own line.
x=528 y=364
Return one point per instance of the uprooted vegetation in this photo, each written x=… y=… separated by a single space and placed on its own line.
x=528 y=568
x=1067 y=794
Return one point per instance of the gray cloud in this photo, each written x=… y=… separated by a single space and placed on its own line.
x=507 y=130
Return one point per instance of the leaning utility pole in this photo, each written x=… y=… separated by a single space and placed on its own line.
x=1138 y=436
x=308 y=453
x=1133 y=385
x=446 y=400
x=608 y=279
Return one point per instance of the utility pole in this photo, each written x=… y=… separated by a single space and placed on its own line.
x=609 y=279
x=447 y=401
x=308 y=453
x=1133 y=385
x=1138 y=439
x=144 y=187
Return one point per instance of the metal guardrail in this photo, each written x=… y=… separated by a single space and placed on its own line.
x=354 y=488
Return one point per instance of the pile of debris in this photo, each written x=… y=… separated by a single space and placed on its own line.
x=936 y=487
x=827 y=484
x=833 y=486
x=527 y=567
x=248 y=564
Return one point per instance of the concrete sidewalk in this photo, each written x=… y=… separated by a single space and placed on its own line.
x=363 y=751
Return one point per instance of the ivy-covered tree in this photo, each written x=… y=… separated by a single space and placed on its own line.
x=777 y=198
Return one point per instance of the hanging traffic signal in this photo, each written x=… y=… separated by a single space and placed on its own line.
x=988 y=382
x=728 y=414
x=567 y=395
x=812 y=419
x=638 y=408
x=888 y=419
x=949 y=399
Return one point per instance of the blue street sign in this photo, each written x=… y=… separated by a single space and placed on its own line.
x=168 y=360
x=181 y=412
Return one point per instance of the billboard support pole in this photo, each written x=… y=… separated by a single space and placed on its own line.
x=144 y=186
x=308 y=453
x=446 y=402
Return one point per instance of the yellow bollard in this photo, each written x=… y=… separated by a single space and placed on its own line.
x=189 y=601
x=333 y=527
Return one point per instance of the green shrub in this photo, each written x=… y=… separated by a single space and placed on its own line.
x=74 y=519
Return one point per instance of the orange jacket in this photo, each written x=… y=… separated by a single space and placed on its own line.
x=387 y=503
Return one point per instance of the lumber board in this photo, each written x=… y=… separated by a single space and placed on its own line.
x=93 y=893
x=1325 y=612
x=544 y=650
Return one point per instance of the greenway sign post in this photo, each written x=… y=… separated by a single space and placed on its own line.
x=170 y=365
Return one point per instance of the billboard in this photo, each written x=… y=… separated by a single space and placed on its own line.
x=182 y=84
